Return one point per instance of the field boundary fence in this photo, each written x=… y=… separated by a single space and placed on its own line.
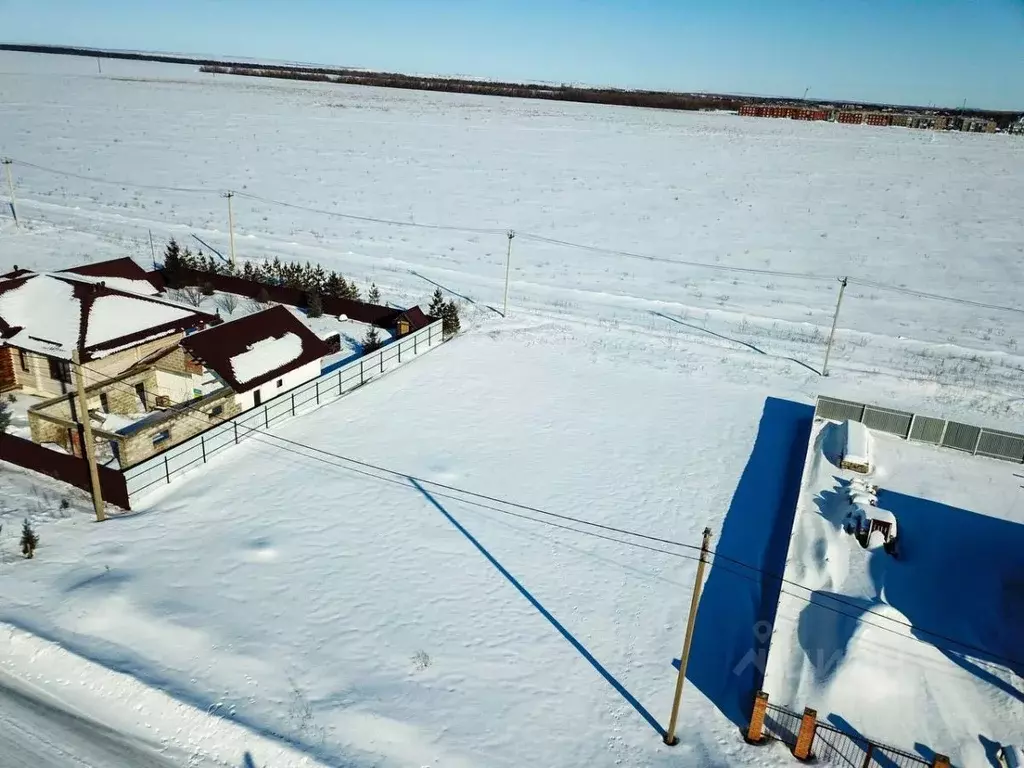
x=946 y=433
x=334 y=383
x=834 y=746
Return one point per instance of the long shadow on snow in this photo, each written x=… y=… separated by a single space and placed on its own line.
x=629 y=697
x=959 y=575
x=730 y=642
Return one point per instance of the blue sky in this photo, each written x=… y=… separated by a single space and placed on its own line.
x=910 y=51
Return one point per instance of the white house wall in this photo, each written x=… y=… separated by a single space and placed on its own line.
x=272 y=388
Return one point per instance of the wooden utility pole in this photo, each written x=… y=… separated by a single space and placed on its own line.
x=835 y=319
x=231 y=225
x=508 y=265
x=89 y=447
x=684 y=658
x=10 y=185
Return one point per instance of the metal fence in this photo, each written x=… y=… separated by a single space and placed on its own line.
x=836 y=747
x=781 y=724
x=980 y=441
x=161 y=469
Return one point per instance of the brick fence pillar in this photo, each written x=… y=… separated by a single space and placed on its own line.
x=802 y=750
x=755 y=733
x=940 y=761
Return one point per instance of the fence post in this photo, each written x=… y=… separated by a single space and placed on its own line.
x=339 y=383
x=945 y=426
x=415 y=344
x=381 y=354
x=399 y=351
x=802 y=750
x=266 y=418
x=868 y=755
x=317 y=382
x=235 y=425
x=167 y=471
x=755 y=733
x=202 y=444
x=977 y=443
x=362 y=380
x=293 y=403
x=910 y=429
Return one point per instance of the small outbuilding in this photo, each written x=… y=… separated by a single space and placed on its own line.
x=856 y=447
x=872 y=526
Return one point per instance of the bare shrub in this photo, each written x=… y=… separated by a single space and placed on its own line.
x=190 y=295
x=228 y=302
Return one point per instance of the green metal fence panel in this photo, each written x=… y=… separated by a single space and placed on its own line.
x=962 y=437
x=927 y=429
x=887 y=420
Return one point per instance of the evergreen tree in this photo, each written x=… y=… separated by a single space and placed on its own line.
x=436 y=303
x=188 y=261
x=265 y=273
x=277 y=270
x=307 y=277
x=450 y=324
x=319 y=281
x=314 y=304
x=334 y=285
x=373 y=296
x=352 y=291
x=263 y=296
x=5 y=417
x=210 y=264
x=248 y=272
x=172 y=264
x=371 y=342
x=206 y=288
x=29 y=540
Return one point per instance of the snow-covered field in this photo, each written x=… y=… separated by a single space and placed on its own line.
x=371 y=622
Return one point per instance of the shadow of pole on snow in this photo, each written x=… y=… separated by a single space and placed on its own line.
x=544 y=612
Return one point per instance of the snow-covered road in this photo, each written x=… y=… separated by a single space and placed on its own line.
x=38 y=731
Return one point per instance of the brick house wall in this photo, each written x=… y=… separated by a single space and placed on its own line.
x=176 y=427
x=7 y=379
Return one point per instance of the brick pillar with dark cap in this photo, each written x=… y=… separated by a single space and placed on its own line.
x=755 y=733
x=804 y=739
x=940 y=761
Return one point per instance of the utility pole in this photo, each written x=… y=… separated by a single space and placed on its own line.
x=670 y=735
x=835 y=319
x=152 y=250
x=231 y=225
x=10 y=185
x=89 y=447
x=508 y=266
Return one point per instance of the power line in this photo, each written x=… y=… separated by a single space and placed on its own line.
x=543 y=239
x=136 y=185
x=934 y=296
x=392 y=222
x=402 y=479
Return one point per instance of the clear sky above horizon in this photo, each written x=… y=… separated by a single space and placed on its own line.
x=907 y=51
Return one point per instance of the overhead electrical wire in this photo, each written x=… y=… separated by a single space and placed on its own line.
x=403 y=479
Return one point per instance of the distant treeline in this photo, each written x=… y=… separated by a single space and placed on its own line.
x=628 y=98
x=631 y=98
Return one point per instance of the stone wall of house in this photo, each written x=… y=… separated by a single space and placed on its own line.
x=177 y=426
x=95 y=371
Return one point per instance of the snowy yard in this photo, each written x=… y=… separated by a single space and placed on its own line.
x=331 y=616
x=926 y=644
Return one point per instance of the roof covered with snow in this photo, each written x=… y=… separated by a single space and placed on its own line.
x=52 y=314
x=256 y=348
x=122 y=274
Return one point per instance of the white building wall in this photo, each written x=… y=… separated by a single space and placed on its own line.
x=177 y=386
x=272 y=388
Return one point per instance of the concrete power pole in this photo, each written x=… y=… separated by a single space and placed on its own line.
x=508 y=266
x=89 y=447
x=835 y=319
x=231 y=226
x=684 y=658
x=10 y=185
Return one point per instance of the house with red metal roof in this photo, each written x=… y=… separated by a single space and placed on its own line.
x=260 y=355
x=45 y=317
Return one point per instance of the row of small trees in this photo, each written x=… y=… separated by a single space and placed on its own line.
x=314 y=280
x=304 y=277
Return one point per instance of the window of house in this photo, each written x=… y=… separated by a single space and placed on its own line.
x=280 y=382
x=161 y=437
x=104 y=402
x=217 y=410
x=60 y=370
x=23 y=359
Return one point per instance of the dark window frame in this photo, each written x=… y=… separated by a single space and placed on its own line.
x=161 y=437
x=104 y=402
x=60 y=370
x=23 y=360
